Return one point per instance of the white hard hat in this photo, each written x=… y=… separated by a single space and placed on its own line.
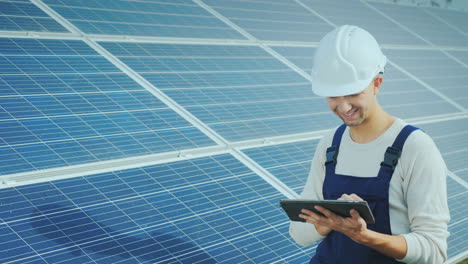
x=346 y=61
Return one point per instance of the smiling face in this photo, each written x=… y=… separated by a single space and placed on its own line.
x=356 y=109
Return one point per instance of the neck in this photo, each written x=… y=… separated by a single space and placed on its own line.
x=374 y=126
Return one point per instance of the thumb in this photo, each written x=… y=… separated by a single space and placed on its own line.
x=354 y=214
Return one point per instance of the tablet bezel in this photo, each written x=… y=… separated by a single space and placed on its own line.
x=293 y=208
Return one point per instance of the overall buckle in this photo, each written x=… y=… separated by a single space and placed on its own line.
x=391 y=157
x=332 y=154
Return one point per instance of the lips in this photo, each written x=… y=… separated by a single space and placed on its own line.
x=350 y=114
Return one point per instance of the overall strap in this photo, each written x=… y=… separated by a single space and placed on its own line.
x=332 y=152
x=393 y=153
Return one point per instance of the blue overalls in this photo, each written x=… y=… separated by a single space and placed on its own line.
x=337 y=248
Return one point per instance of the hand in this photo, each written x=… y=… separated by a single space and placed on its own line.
x=354 y=227
x=352 y=197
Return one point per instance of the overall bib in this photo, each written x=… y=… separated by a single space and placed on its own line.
x=337 y=248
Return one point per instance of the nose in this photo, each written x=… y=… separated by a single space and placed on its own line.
x=342 y=105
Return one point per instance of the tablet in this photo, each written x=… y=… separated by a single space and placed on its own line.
x=340 y=207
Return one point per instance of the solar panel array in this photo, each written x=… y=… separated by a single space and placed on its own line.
x=166 y=131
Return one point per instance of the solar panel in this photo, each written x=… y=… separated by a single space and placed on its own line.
x=453 y=18
x=23 y=15
x=436 y=69
x=450 y=136
x=173 y=212
x=180 y=18
x=290 y=162
x=300 y=56
x=237 y=91
x=158 y=131
x=458 y=223
x=342 y=12
x=282 y=21
x=417 y=21
x=74 y=106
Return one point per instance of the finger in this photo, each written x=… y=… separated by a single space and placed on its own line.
x=303 y=216
x=312 y=218
x=327 y=213
x=355 y=197
x=308 y=212
x=344 y=196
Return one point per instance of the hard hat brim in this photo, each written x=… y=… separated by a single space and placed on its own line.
x=330 y=90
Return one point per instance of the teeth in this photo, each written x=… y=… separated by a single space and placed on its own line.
x=350 y=114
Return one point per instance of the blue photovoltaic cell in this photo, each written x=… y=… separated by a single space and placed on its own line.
x=25 y=16
x=457 y=195
x=456 y=19
x=282 y=21
x=460 y=88
x=290 y=163
x=207 y=210
x=302 y=57
x=143 y=18
x=435 y=69
x=462 y=173
x=65 y=104
x=344 y=12
x=450 y=136
x=456 y=202
x=240 y=92
x=429 y=28
x=398 y=100
x=460 y=55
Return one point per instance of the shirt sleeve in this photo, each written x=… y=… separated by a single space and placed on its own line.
x=425 y=189
x=305 y=234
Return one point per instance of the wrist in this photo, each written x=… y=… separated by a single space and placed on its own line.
x=392 y=246
x=364 y=237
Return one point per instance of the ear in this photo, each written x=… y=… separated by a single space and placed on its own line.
x=377 y=83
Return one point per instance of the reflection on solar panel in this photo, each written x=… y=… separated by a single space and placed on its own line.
x=166 y=131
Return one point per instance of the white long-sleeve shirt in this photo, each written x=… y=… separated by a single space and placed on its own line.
x=417 y=196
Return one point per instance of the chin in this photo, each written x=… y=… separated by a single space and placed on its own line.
x=353 y=123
